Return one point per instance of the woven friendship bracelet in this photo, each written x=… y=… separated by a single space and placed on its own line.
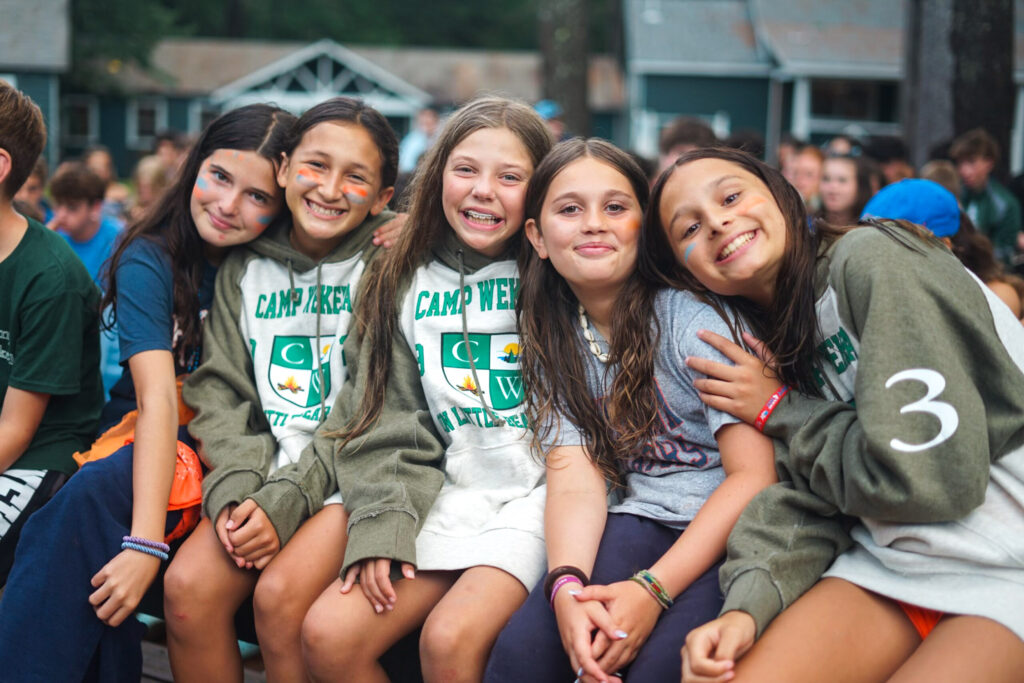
x=128 y=545
x=769 y=407
x=557 y=573
x=653 y=586
x=155 y=545
x=562 y=580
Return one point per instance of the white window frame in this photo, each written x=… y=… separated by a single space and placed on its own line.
x=133 y=140
x=93 y=134
x=10 y=78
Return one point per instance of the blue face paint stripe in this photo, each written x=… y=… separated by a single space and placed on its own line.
x=264 y=220
x=201 y=183
x=686 y=254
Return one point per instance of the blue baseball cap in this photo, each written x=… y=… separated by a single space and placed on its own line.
x=919 y=201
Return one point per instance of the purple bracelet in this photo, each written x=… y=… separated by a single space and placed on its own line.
x=562 y=580
x=155 y=545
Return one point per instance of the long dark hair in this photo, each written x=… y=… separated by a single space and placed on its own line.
x=789 y=325
x=554 y=372
x=259 y=128
x=427 y=225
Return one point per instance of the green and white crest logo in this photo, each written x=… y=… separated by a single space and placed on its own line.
x=496 y=357
x=293 y=369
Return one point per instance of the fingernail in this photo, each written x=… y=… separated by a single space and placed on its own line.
x=574 y=591
x=579 y=672
x=230 y=524
x=378 y=609
x=620 y=634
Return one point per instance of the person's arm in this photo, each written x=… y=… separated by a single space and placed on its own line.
x=234 y=437
x=747 y=459
x=19 y=419
x=575 y=513
x=121 y=582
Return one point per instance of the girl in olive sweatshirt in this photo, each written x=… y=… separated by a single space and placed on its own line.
x=903 y=421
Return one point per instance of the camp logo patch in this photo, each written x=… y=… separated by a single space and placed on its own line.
x=293 y=370
x=496 y=357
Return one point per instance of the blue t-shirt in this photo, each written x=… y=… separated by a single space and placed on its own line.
x=673 y=475
x=145 y=314
x=95 y=251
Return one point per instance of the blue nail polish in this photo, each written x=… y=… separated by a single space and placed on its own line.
x=579 y=672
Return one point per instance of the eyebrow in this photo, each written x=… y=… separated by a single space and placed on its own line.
x=713 y=186
x=322 y=154
x=610 y=194
x=473 y=160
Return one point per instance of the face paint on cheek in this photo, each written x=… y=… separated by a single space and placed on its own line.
x=749 y=205
x=686 y=254
x=200 y=187
x=308 y=178
x=356 y=195
x=265 y=220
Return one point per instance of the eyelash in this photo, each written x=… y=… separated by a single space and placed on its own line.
x=219 y=175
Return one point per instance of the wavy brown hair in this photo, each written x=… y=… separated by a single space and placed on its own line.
x=789 y=325
x=554 y=372
x=377 y=309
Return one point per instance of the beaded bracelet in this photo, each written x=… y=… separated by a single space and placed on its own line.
x=155 y=545
x=562 y=580
x=652 y=586
x=558 y=572
x=128 y=545
x=769 y=406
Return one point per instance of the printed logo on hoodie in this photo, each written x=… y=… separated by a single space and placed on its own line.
x=293 y=372
x=496 y=358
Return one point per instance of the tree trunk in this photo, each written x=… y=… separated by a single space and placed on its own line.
x=564 y=48
x=927 y=93
x=982 y=45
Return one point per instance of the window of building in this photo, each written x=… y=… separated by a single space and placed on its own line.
x=80 y=120
x=146 y=117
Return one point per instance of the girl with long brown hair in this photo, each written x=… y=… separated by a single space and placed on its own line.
x=612 y=401
x=434 y=424
x=900 y=439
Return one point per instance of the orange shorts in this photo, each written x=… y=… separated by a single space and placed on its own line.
x=924 y=620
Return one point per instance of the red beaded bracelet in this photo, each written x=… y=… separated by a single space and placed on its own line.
x=769 y=407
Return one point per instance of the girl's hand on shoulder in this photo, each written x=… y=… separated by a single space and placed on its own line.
x=387 y=234
x=577 y=622
x=711 y=650
x=634 y=612
x=741 y=389
x=252 y=535
x=374 y=575
x=120 y=585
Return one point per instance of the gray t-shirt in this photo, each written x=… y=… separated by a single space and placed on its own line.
x=674 y=474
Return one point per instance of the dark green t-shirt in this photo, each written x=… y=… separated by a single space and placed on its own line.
x=49 y=343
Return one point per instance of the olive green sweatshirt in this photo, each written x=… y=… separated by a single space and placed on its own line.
x=911 y=472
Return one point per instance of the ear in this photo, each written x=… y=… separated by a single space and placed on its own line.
x=383 y=197
x=282 y=170
x=536 y=239
x=5 y=168
x=96 y=211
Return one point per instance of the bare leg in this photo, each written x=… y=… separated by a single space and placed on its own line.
x=963 y=648
x=290 y=584
x=460 y=632
x=836 y=627
x=342 y=637
x=203 y=589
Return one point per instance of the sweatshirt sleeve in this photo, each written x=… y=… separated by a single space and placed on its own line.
x=914 y=447
x=784 y=541
x=390 y=475
x=234 y=437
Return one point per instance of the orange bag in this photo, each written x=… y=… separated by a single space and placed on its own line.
x=187 y=487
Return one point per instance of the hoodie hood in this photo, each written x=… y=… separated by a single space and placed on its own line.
x=447 y=252
x=276 y=244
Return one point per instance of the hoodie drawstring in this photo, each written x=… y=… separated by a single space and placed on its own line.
x=319 y=353
x=469 y=349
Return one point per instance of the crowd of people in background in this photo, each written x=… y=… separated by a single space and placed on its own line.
x=514 y=391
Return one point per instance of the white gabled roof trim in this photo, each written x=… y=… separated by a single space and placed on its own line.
x=326 y=47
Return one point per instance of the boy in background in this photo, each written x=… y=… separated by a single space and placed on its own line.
x=50 y=391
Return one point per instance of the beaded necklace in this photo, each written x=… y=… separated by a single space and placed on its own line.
x=589 y=336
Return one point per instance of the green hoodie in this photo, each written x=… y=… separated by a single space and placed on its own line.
x=916 y=485
x=273 y=362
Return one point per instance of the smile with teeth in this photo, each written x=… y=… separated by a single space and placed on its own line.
x=323 y=211
x=477 y=217
x=735 y=244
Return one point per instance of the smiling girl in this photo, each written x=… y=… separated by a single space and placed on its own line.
x=435 y=418
x=603 y=350
x=903 y=419
x=86 y=558
x=272 y=366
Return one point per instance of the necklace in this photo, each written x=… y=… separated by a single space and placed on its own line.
x=589 y=336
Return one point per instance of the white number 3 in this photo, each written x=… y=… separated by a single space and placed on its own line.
x=948 y=419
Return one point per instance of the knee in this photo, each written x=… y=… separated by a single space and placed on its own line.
x=444 y=641
x=325 y=648
x=275 y=607
x=188 y=594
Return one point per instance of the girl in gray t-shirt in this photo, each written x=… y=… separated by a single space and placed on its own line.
x=603 y=357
